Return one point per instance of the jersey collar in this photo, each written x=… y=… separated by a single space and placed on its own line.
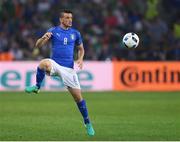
x=64 y=29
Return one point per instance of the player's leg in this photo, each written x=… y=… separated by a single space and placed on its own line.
x=44 y=67
x=81 y=103
x=70 y=79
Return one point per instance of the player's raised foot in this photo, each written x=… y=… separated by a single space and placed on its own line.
x=32 y=89
x=89 y=129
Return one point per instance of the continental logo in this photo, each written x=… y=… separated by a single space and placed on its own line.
x=132 y=76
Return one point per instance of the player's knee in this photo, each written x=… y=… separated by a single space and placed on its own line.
x=46 y=65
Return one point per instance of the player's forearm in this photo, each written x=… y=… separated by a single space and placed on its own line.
x=40 y=42
x=43 y=40
x=81 y=53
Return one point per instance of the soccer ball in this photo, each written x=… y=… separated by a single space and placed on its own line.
x=131 y=40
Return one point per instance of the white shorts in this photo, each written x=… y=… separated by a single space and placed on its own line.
x=68 y=75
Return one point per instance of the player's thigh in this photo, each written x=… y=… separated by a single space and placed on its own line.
x=69 y=77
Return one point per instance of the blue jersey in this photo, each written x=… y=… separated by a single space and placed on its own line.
x=63 y=43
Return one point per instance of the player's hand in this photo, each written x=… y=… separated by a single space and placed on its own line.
x=79 y=62
x=47 y=36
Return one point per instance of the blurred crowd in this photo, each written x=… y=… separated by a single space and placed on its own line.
x=102 y=24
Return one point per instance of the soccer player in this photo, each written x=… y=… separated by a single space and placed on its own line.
x=64 y=39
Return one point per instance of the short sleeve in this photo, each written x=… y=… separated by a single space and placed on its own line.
x=78 y=39
x=51 y=29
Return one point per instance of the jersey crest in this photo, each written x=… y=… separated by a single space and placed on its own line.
x=72 y=36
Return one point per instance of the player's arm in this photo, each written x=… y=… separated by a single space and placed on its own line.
x=80 y=55
x=43 y=40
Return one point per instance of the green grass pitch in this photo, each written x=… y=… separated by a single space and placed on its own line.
x=120 y=116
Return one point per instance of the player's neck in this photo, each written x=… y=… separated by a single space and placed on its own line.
x=64 y=27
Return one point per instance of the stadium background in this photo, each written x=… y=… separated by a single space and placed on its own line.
x=109 y=68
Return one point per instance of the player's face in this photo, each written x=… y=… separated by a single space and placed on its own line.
x=66 y=19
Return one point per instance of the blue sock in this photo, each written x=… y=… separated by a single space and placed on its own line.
x=83 y=109
x=39 y=77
